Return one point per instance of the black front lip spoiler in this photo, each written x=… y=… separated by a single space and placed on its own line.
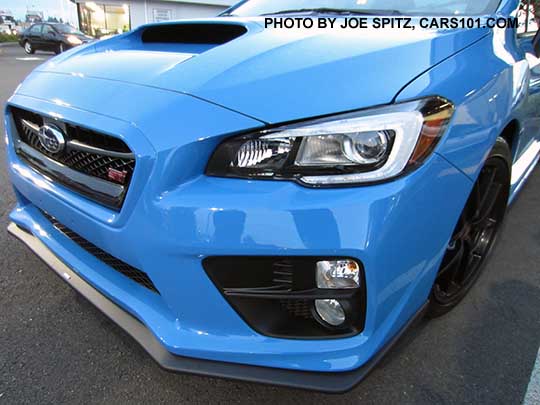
x=316 y=381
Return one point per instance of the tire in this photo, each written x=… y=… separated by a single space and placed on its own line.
x=28 y=48
x=60 y=48
x=475 y=234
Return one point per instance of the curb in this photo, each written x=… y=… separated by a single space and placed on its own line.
x=6 y=44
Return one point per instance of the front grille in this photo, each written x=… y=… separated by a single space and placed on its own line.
x=88 y=152
x=131 y=272
x=97 y=165
x=92 y=164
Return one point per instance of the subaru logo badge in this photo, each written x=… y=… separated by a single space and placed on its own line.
x=51 y=138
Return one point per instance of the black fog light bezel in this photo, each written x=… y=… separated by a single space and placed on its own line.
x=275 y=296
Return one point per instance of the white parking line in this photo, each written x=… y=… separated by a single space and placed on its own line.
x=532 y=397
x=30 y=58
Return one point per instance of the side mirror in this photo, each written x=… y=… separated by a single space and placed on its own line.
x=536 y=44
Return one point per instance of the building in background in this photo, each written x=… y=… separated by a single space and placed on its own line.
x=33 y=16
x=100 y=18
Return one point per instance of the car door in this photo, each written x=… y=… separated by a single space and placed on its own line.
x=49 y=37
x=34 y=36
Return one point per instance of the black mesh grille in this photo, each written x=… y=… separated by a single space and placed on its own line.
x=92 y=164
x=283 y=279
x=298 y=308
x=97 y=165
x=134 y=274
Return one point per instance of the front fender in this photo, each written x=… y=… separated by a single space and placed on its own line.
x=487 y=82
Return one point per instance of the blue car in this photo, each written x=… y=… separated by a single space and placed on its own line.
x=279 y=205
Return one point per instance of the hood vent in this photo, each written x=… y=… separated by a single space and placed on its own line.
x=215 y=34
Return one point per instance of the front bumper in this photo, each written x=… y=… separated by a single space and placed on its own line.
x=325 y=382
x=174 y=217
x=401 y=251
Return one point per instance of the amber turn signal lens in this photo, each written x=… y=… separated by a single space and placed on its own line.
x=436 y=119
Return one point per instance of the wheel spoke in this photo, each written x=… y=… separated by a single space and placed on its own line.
x=488 y=203
x=453 y=263
x=486 y=180
x=474 y=246
x=490 y=223
x=472 y=263
x=478 y=194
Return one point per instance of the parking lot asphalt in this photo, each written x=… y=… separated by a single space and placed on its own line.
x=56 y=348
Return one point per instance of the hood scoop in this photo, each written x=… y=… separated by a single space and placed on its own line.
x=192 y=33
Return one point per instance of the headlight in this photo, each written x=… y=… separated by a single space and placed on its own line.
x=72 y=39
x=361 y=147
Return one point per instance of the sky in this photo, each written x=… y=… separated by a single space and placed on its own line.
x=64 y=9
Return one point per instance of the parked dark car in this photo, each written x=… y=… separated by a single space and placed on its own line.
x=51 y=37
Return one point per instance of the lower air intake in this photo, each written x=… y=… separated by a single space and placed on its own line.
x=276 y=296
x=131 y=272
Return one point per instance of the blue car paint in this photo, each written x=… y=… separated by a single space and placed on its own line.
x=486 y=102
x=243 y=74
x=174 y=216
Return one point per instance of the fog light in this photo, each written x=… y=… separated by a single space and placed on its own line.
x=330 y=311
x=338 y=274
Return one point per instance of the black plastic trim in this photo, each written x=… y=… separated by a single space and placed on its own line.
x=192 y=33
x=334 y=383
x=251 y=300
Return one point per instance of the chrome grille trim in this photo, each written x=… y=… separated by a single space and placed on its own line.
x=30 y=126
x=109 y=194
x=96 y=165
x=76 y=145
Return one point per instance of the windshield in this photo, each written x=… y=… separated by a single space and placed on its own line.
x=66 y=29
x=250 y=8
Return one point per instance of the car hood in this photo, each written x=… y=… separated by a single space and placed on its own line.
x=274 y=75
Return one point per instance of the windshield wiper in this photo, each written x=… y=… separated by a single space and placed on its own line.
x=329 y=10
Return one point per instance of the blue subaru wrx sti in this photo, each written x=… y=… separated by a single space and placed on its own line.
x=278 y=205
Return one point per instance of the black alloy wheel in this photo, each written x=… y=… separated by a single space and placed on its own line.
x=475 y=233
